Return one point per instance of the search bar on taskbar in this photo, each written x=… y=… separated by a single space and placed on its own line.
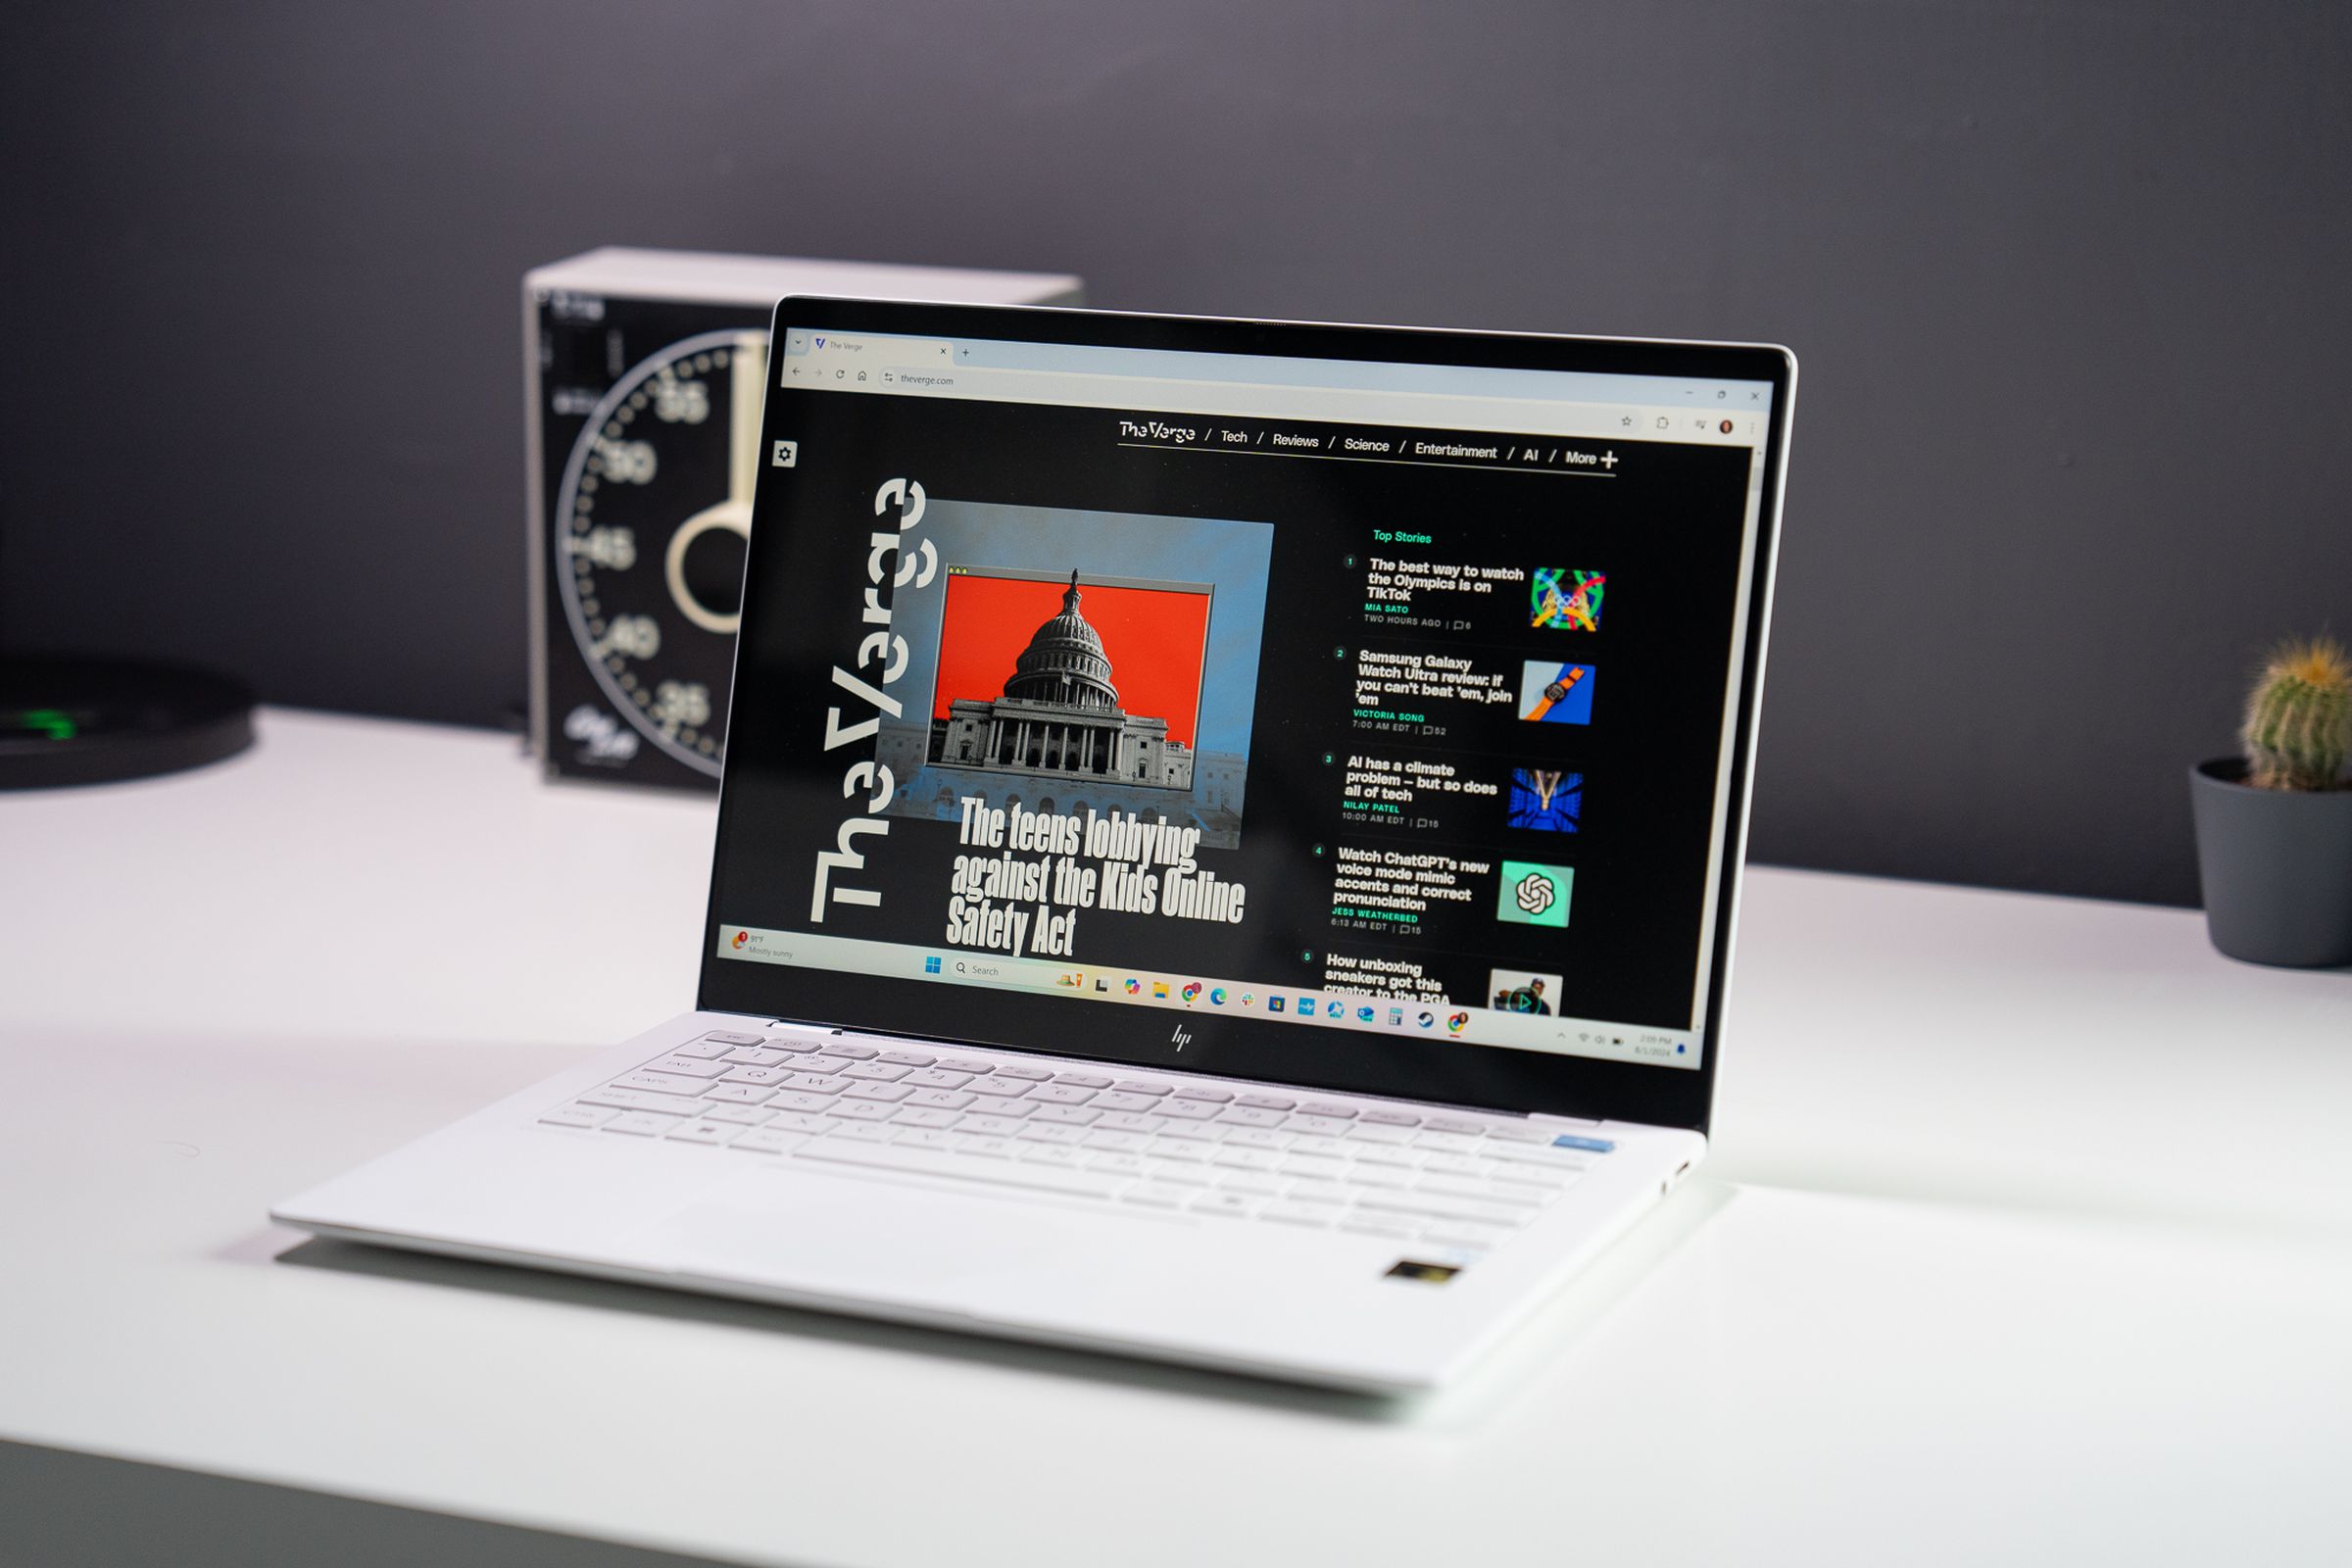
x=1012 y=972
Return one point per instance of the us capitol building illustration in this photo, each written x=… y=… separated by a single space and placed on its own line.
x=1060 y=715
x=1057 y=740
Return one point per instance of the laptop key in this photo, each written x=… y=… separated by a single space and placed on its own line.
x=1062 y=1093
x=723 y=1038
x=1120 y=1100
x=1248 y=1116
x=1521 y=1135
x=1200 y=1092
x=1265 y=1102
x=795 y=1099
x=871 y=1132
x=1068 y=1115
x=1321 y=1126
x=1027 y=1074
x=1083 y=1080
x=988 y=1126
x=968 y=1064
x=639 y=1099
x=578 y=1116
x=919 y=1116
x=906 y=1059
x=1156 y=1195
x=1324 y=1108
x=741 y=1115
x=997 y=1088
x=1396 y=1227
x=891 y=1093
x=823 y=1062
x=703 y=1130
x=816 y=1083
x=707 y=1050
x=659 y=1083
x=1436 y=1205
x=933 y=1078
x=1233 y=1206
x=1300 y=1211
x=757 y=1056
x=937 y=1099
x=1372 y=1132
x=941 y=1162
x=1192 y=1109
x=640 y=1124
x=880 y=1072
x=1388 y=1118
x=1454 y=1124
x=769 y=1140
x=862 y=1110
x=853 y=1053
x=1463 y=1232
x=756 y=1075
x=1137 y=1086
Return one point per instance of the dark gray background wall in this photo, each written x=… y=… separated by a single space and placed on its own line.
x=2069 y=282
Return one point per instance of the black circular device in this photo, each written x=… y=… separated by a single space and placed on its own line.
x=95 y=720
x=649 y=558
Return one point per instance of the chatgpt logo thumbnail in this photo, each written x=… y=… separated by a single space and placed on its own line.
x=1534 y=894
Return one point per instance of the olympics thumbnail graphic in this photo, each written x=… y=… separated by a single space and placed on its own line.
x=1552 y=693
x=1565 y=601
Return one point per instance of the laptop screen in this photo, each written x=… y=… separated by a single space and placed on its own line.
x=1326 y=706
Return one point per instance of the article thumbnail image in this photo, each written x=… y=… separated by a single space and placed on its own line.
x=1520 y=991
x=1547 y=798
x=1566 y=600
x=1552 y=693
x=1081 y=660
x=1535 y=893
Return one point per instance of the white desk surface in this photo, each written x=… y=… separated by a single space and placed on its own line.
x=2028 y=1234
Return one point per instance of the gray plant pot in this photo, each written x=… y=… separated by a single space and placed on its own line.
x=2276 y=867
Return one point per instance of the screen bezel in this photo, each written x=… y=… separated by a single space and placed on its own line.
x=1491 y=1077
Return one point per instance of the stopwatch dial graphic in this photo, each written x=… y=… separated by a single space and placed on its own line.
x=653 y=517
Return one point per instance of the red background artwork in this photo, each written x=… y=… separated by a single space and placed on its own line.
x=1155 y=639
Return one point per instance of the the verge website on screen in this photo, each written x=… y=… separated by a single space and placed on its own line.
x=1330 y=695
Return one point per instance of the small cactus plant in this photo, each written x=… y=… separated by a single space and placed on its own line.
x=2299 y=717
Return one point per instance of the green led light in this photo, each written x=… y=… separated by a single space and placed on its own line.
x=51 y=721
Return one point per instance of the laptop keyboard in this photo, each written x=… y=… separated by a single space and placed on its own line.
x=1121 y=1140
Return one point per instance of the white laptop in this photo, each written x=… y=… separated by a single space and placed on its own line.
x=1229 y=846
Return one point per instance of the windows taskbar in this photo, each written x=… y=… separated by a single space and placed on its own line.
x=1323 y=1008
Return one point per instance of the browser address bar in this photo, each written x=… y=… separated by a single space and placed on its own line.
x=1334 y=404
